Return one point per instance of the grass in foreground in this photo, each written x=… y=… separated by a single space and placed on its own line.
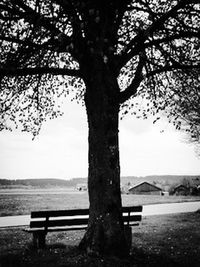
x=167 y=240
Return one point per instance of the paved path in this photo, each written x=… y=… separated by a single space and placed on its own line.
x=148 y=210
x=14 y=220
x=169 y=208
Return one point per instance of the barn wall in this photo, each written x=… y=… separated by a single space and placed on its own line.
x=145 y=192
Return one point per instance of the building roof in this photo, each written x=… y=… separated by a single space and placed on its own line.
x=81 y=185
x=135 y=186
x=180 y=186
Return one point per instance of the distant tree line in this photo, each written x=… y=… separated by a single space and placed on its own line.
x=41 y=182
x=189 y=187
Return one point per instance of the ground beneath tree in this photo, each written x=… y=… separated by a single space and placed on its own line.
x=167 y=240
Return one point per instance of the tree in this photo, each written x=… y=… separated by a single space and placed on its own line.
x=184 y=110
x=109 y=52
x=186 y=182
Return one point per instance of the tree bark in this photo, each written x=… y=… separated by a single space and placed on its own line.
x=105 y=233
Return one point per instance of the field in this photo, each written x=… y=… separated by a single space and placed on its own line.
x=167 y=241
x=22 y=202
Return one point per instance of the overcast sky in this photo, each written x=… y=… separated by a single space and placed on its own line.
x=61 y=149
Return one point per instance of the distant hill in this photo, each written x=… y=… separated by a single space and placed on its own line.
x=42 y=183
x=163 y=180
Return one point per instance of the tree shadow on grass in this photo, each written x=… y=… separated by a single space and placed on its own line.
x=60 y=255
x=141 y=257
x=10 y=260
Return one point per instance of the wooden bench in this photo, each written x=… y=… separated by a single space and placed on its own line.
x=43 y=222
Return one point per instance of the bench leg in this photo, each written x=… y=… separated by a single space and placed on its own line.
x=35 y=240
x=39 y=240
x=128 y=236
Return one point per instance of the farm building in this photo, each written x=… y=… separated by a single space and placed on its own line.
x=181 y=190
x=145 y=188
x=81 y=187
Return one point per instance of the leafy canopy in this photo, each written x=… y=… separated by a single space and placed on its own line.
x=149 y=46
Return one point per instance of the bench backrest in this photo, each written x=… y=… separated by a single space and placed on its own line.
x=129 y=216
x=76 y=217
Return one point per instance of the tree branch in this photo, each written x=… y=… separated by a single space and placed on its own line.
x=180 y=34
x=138 y=42
x=175 y=66
x=18 y=41
x=41 y=71
x=131 y=90
x=31 y=16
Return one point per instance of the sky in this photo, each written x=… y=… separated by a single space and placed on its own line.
x=61 y=149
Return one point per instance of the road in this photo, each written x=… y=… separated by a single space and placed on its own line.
x=148 y=210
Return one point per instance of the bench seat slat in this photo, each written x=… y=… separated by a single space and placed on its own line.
x=54 y=229
x=58 y=213
x=52 y=223
x=132 y=218
x=58 y=229
x=132 y=209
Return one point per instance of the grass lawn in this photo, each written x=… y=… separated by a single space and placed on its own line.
x=15 y=203
x=166 y=240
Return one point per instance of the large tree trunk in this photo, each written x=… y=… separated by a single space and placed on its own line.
x=105 y=233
